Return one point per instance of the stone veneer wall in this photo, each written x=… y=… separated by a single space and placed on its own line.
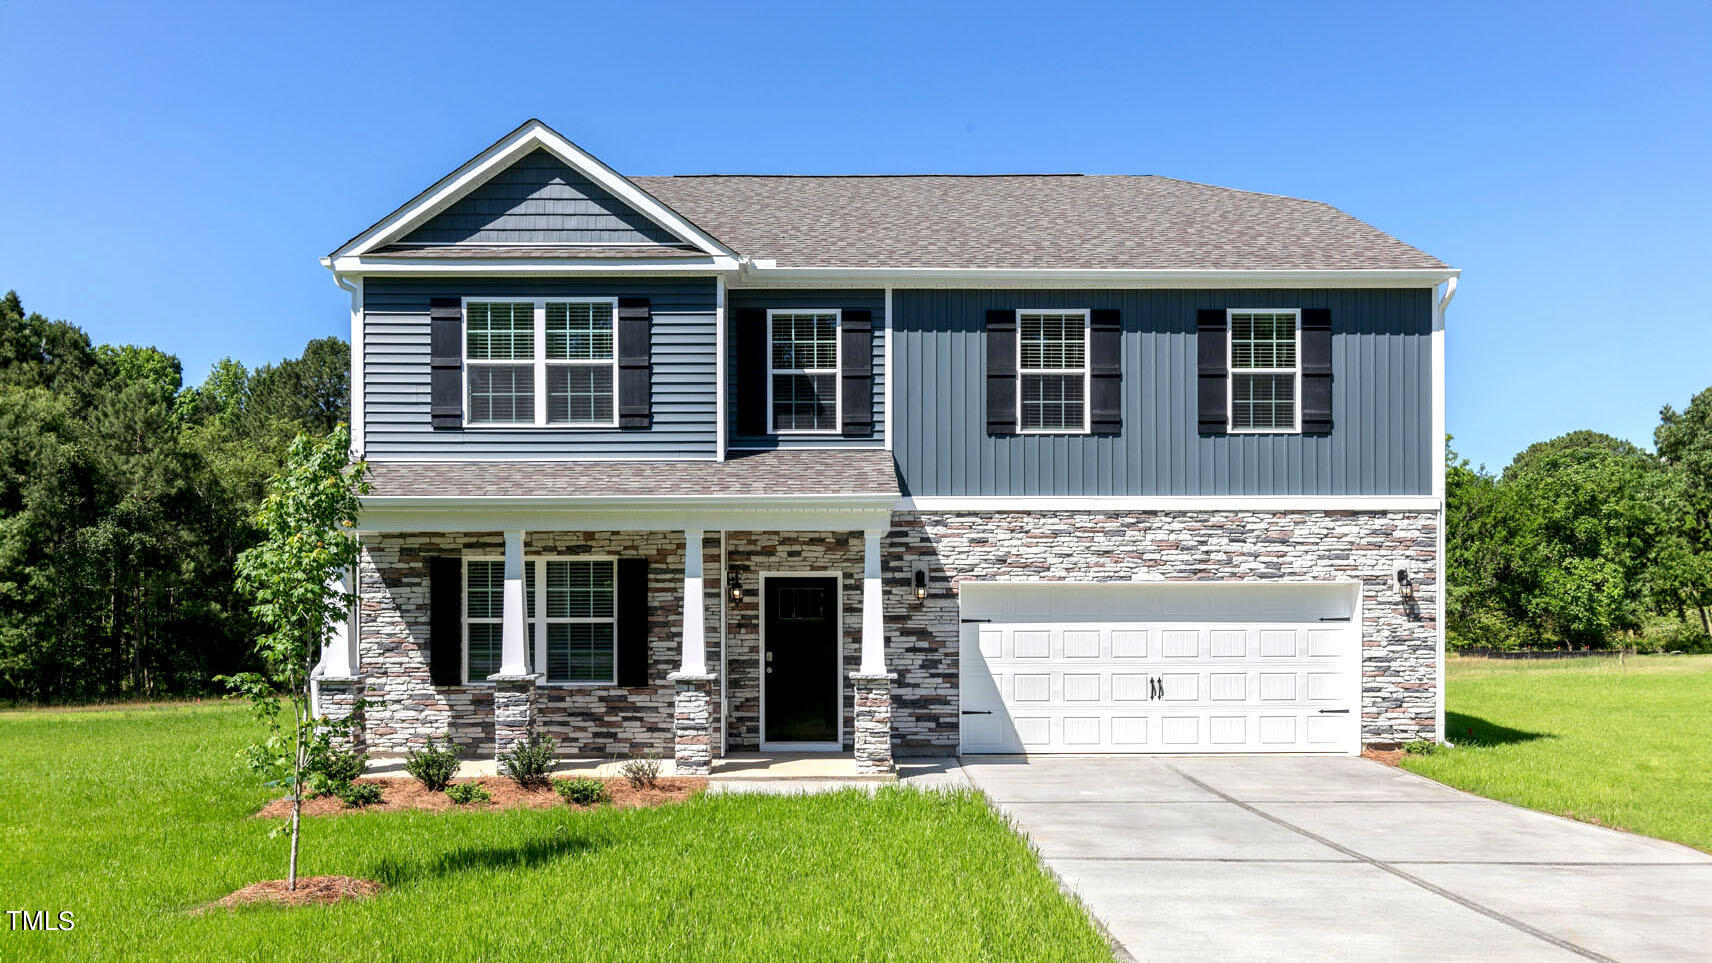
x=1399 y=645
x=405 y=708
x=752 y=553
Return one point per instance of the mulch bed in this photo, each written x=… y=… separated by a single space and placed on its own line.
x=1386 y=756
x=402 y=794
x=310 y=889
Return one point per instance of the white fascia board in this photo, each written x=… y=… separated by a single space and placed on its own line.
x=477 y=170
x=1169 y=503
x=464 y=267
x=653 y=503
x=759 y=274
x=547 y=517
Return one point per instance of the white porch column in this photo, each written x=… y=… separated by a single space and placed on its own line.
x=873 y=606
x=339 y=648
x=695 y=600
x=513 y=637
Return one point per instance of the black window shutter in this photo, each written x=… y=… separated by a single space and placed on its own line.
x=634 y=321
x=446 y=362
x=632 y=612
x=751 y=373
x=1105 y=367
x=1001 y=372
x=856 y=371
x=1316 y=349
x=1213 y=360
x=446 y=620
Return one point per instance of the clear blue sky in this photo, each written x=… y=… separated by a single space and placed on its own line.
x=173 y=170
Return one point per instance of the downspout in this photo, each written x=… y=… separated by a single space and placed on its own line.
x=1439 y=428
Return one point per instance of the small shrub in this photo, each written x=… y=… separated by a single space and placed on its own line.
x=332 y=769
x=355 y=794
x=581 y=791
x=1421 y=747
x=528 y=762
x=642 y=771
x=433 y=767
x=465 y=793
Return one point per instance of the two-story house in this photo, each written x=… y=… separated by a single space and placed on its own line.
x=890 y=465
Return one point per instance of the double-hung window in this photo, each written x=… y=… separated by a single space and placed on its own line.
x=544 y=362
x=1052 y=368
x=1265 y=371
x=802 y=371
x=580 y=620
x=499 y=356
x=570 y=618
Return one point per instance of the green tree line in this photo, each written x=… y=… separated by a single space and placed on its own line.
x=125 y=499
x=1586 y=541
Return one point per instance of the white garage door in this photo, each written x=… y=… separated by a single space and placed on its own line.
x=1171 y=667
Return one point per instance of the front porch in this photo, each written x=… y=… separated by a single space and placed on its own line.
x=700 y=627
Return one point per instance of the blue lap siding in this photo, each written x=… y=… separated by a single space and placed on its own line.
x=396 y=387
x=1380 y=443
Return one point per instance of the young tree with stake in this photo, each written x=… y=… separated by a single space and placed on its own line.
x=308 y=522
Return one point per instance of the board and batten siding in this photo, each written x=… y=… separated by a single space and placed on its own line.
x=396 y=386
x=539 y=200
x=786 y=299
x=1380 y=442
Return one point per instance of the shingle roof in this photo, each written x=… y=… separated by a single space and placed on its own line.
x=1027 y=221
x=770 y=473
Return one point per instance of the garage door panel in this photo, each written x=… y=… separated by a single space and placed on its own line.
x=1071 y=680
x=1227 y=643
x=1082 y=643
x=1129 y=643
x=1082 y=687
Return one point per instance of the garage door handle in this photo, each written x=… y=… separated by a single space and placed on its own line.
x=977 y=712
x=968 y=621
x=1334 y=712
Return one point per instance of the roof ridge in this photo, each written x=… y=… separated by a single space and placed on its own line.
x=884 y=176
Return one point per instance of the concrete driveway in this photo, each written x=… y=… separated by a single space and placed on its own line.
x=1336 y=858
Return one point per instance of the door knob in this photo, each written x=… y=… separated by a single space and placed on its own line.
x=769 y=670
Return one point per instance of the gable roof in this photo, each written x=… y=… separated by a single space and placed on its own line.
x=1046 y=221
x=529 y=139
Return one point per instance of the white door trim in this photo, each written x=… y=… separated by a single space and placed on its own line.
x=837 y=745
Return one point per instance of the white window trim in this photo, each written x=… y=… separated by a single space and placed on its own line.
x=538 y=657
x=1231 y=372
x=539 y=362
x=837 y=379
x=1086 y=371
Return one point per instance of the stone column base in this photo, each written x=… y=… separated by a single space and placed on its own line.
x=692 y=724
x=339 y=698
x=513 y=710
x=873 y=722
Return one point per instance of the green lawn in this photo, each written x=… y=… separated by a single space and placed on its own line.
x=128 y=817
x=1627 y=746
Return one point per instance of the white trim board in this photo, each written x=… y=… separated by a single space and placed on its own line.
x=1168 y=503
x=533 y=134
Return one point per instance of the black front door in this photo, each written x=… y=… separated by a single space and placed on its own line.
x=799 y=660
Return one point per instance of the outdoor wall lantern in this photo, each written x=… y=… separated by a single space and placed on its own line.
x=733 y=585
x=1405 y=585
x=920 y=581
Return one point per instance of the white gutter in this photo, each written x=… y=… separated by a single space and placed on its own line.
x=872 y=500
x=766 y=270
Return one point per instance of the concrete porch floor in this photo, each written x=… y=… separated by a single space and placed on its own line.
x=738 y=771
